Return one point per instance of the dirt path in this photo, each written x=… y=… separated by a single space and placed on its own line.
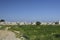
x=7 y=35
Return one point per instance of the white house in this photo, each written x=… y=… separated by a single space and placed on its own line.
x=13 y=23
x=21 y=23
x=59 y=22
x=50 y=23
x=8 y=23
x=43 y=23
x=27 y=23
x=33 y=23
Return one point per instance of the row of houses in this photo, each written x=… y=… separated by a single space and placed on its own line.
x=27 y=23
x=14 y=23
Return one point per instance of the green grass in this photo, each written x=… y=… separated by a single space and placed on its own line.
x=41 y=32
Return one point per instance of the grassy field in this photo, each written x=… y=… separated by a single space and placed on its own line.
x=35 y=32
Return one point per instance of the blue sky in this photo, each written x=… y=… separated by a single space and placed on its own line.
x=30 y=10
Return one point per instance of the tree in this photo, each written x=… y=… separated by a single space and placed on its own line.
x=56 y=22
x=2 y=20
x=38 y=23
